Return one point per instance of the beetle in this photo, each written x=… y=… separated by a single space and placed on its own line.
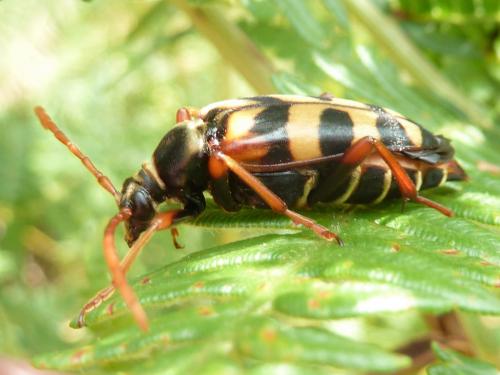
x=277 y=151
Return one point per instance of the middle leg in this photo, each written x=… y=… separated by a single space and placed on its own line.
x=270 y=198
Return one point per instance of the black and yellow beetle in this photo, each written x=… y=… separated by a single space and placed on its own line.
x=276 y=151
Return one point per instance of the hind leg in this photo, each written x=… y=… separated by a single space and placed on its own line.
x=354 y=156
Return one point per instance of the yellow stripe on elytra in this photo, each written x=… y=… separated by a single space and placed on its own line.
x=394 y=113
x=338 y=102
x=349 y=103
x=290 y=99
x=412 y=130
x=239 y=123
x=364 y=124
x=226 y=104
x=303 y=132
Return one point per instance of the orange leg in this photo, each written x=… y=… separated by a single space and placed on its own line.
x=175 y=234
x=275 y=202
x=184 y=114
x=94 y=303
x=103 y=180
x=359 y=151
x=118 y=270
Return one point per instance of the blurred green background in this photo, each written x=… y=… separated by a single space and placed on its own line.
x=112 y=75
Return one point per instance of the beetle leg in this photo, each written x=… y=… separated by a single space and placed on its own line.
x=275 y=202
x=162 y=220
x=174 y=232
x=356 y=154
x=184 y=114
x=219 y=185
x=50 y=125
x=100 y=297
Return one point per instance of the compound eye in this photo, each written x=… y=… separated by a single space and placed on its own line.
x=142 y=209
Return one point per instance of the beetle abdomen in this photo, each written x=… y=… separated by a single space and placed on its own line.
x=288 y=185
x=370 y=183
x=373 y=183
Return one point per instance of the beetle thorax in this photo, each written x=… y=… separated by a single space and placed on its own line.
x=181 y=159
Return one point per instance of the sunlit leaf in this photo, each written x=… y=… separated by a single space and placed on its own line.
x=408 y=263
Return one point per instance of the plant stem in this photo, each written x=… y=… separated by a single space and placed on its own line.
x=233 y=45
x=385 y=31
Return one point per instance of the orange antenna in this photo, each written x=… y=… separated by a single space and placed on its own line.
x=118 y=273
x=118 y=270
x=102 y=179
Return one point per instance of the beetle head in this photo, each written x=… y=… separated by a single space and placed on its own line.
x=140 y=194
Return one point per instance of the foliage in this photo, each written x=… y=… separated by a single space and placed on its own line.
x=451 y=362
x=255 y=293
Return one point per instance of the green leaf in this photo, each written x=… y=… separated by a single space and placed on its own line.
x=277 y=288
x=338 y=11
x=7 y=266
x=457 y=11
x=299 y=15
x=453 y=363
x=267 y=340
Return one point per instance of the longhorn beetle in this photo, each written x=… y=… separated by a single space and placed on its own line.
x=276 y=151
